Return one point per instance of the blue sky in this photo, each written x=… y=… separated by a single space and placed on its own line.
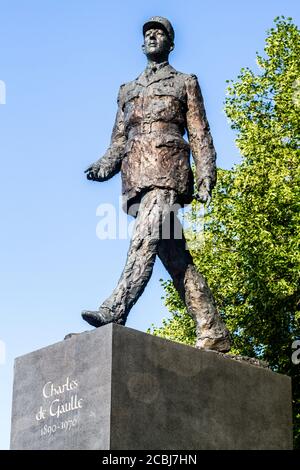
x=62 y=63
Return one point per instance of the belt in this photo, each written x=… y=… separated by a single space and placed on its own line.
x=156 y=126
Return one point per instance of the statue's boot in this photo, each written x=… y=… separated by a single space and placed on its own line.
x=216 y=338
x=102 y=317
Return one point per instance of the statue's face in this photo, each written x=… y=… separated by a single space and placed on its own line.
x=156 y=44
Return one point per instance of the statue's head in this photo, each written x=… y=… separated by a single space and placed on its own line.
x=158 y=38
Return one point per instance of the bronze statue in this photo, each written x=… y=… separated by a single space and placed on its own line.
x=147 y=145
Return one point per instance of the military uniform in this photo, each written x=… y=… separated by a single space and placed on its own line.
x=148 y=147
x=147 y=144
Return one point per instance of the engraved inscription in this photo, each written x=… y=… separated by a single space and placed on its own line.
x=60 y=408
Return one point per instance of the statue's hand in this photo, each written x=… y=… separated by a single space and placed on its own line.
x=204 y=192
x=92 y=172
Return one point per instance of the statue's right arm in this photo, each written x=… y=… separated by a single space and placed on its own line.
x=110 y=164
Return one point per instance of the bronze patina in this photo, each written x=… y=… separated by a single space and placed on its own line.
x=148 y=147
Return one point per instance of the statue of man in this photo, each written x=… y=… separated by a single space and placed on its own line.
x=147 y=145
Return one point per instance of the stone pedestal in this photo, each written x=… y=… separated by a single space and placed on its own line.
x=117 y=388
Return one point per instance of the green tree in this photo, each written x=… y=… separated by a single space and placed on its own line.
x=249 y=250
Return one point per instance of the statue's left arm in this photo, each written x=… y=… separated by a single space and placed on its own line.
x=200 y=140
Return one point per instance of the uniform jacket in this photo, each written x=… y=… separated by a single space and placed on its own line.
x=147 y=144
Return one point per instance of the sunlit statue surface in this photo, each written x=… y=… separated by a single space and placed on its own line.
x=147 y=146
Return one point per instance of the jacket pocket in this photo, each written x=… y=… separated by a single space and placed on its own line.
x=173 y=141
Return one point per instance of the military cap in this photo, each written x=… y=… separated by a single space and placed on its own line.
x=163 y=23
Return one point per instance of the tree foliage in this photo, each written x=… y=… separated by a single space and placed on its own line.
x=249 y=250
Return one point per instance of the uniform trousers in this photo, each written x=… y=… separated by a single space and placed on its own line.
x=158 y=232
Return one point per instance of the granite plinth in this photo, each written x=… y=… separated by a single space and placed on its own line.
x=118 y=388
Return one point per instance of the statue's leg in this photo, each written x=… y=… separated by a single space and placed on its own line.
x=194 y=291
x=140 y=260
